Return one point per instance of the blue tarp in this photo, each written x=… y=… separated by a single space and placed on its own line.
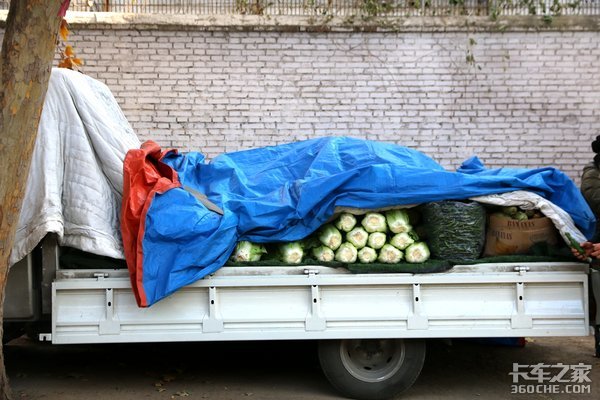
x=286 y=192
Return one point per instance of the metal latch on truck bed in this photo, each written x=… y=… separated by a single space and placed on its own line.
x=311 y=271
x=521 y=270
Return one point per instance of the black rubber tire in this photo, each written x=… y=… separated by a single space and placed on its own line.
x=372 y=369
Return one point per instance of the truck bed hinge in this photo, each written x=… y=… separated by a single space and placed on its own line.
x=311 y=272
x=520 y=320
x=315 y=320
x=521 y=270
x=417 y=320
x=213 y=321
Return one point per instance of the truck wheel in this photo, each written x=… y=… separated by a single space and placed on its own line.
x=371 y=369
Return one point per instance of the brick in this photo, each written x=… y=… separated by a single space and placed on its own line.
x=532 y=95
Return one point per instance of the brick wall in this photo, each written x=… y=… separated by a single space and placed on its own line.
x=526 y=99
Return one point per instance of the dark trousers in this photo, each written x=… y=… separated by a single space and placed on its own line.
x=595 y=304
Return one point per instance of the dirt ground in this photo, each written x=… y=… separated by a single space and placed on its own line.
x=271 y=370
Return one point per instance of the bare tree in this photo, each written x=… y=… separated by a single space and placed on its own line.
x=27 y=52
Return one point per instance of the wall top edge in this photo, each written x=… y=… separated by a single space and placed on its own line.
x=326 y=23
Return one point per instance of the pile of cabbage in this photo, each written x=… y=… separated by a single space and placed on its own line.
x=374 y=237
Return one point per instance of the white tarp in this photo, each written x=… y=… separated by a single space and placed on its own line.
x=531 y=201
x=75 y=183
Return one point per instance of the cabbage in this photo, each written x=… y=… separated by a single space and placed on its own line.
x=291 y=252
x=374 y=222
x=521 y=216
x=529 y=213
x=330 y=236
x=345 y=222
x=367 y=255
x=346 y=253
x=402 y=240
x=323 y=254
x=389 y=254
x=417 y=253
x=358 y=237
x=376 y=240
x=247 y=251
x=398 y=221
x=510 y=210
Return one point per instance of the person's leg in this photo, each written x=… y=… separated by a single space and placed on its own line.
x=594 y=303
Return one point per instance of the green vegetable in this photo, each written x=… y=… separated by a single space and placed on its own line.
x=389 y=255
x=358 y=237
x=575 y=244
x=346 y=253
x=398 y=221
x=417 y=253
x=345 y=222
x=291 y=253
x=402 y=240
x=376 y=240
x=520 y=216
x=323 y=254
x=455 y=229
x=510 y=211
x=247 y=251
x=330 y=236
x=367 y=255
x=374 y=222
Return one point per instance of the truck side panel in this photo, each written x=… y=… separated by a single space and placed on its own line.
x=485 y=301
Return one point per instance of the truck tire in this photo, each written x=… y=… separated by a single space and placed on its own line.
x=372 y=369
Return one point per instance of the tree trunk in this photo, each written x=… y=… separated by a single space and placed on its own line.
x=27 y=54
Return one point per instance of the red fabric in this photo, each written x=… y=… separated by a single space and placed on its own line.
x=62 y=11
x=144 y=175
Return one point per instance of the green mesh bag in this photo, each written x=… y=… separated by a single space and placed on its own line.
x=455 y=229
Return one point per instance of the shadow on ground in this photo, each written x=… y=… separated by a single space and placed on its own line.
x=269 y=370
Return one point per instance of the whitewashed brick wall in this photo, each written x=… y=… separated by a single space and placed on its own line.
x=530 y=99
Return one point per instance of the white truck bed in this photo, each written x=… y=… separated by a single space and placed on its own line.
x=316 y=302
